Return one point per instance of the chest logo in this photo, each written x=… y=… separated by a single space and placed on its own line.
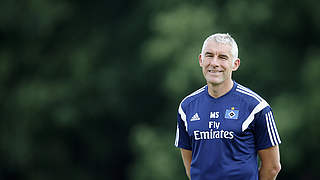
x=195 y=117
x=231 y=113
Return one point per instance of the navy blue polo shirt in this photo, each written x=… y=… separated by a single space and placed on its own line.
x=225 y=133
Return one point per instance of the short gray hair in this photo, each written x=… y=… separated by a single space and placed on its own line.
x=223 y=38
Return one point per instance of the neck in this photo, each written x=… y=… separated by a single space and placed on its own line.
x=218 y=90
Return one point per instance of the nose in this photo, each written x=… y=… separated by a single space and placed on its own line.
x=214 y=61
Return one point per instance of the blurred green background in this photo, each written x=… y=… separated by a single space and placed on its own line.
x=90 y=89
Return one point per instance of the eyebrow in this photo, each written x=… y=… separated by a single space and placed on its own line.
x=220 y=55
x=223 y=55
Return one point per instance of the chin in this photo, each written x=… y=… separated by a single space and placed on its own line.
x=214 y=82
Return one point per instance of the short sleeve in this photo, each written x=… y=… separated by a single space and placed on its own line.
x=182 y=136
x=266 y=133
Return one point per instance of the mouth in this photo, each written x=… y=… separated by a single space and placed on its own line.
x=214 y=71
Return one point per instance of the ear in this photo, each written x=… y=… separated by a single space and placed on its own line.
x=236 y=64
x=200 y=60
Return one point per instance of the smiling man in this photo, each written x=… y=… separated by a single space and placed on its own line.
x=224 y=126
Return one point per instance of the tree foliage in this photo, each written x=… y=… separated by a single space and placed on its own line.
x=90 y=89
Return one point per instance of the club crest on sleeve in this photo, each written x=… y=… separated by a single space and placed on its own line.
x=231 y=113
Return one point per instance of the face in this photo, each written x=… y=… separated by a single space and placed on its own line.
x=216 y=63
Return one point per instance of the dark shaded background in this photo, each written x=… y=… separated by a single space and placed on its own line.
x=90 y=89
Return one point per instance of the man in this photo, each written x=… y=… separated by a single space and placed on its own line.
x=223 y=126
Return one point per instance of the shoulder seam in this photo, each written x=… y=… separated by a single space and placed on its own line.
x=243 y=90
x=194 y=93
x=181 y=111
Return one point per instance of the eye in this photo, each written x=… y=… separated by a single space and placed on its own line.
x=223 y=57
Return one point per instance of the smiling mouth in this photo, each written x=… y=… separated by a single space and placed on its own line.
x=214 y=71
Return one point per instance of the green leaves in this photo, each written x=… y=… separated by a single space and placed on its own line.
x=93 y=87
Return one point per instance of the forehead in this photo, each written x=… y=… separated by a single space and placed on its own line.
x=218 y=48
